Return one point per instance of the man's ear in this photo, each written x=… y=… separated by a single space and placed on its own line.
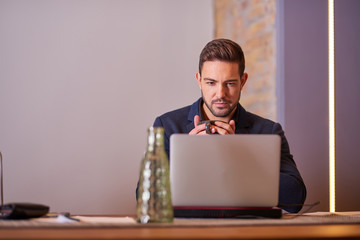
x=198 y=78
x=244 y=78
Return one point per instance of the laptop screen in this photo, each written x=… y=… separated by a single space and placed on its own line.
x=225 y=170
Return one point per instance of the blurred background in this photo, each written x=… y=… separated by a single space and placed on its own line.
x=81 y=81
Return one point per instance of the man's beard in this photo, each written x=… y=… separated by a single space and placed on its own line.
x=220 y=114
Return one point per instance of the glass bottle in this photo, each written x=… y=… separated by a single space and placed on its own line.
x=154 y=196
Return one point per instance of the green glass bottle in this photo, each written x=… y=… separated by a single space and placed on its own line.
x=154 y=196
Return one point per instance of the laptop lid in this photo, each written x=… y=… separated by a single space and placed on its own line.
x=240 y=170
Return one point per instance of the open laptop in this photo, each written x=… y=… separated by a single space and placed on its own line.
x=225 y=175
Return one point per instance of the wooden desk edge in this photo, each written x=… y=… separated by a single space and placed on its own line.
x=343 y=231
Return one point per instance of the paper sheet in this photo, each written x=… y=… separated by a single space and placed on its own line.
x=323 y=214
x=118 y=220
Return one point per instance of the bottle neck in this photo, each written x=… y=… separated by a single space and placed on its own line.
x=155 y=138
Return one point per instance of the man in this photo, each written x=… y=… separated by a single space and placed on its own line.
x=221 y=78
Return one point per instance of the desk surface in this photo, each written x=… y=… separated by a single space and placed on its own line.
x=326 y=226
x=239 y=232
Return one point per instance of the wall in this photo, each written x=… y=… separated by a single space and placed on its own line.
x=306 y=97
x=306 y=93
x=252 y=25
x=80 y=82
x=347 y=97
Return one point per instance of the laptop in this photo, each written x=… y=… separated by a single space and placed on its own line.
x=225 y=175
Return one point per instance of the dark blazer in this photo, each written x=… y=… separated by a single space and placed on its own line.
x=292 y=192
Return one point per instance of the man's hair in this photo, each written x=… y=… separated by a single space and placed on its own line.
x=223 y=50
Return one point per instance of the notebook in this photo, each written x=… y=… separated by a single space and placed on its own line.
x=225 y=175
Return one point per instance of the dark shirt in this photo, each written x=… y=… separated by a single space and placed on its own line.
x=292 y=191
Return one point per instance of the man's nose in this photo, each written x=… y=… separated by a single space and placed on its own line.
x=221 y=91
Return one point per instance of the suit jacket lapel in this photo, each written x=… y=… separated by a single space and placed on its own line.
x=242 y=121
x=194 y=110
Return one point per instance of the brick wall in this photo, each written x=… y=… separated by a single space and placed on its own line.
x=251 y=23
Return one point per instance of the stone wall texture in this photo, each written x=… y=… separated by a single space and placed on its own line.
x=251 y=23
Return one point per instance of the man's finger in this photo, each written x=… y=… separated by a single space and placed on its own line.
x=232 y=124
x=225 y=128
x=196 y=120
x=199 y=129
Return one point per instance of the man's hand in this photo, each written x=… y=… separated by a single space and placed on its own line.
x=199 y=128
x=219 y=127
x=223 y=128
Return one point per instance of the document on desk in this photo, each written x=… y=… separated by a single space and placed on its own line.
x=325 y=214
x=106 y=220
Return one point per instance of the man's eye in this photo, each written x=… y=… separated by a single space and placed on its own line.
x=210 y=83
x=232 y=84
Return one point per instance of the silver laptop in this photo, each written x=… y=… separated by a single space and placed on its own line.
x=240 y=170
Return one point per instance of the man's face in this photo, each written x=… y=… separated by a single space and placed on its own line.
x=220 y=85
